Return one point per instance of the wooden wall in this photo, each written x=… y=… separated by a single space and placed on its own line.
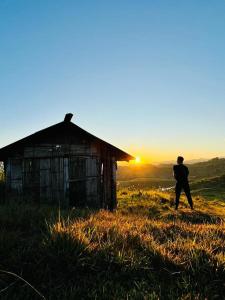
x=77 y=175
x=13 y=170
x=109 y=183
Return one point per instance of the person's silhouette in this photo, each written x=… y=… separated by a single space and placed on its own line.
x=181 y=173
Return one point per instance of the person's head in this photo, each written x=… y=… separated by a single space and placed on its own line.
x=180 y=160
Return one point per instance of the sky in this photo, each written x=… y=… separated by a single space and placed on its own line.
x=145 y=75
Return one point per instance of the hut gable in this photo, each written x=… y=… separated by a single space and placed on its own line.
x=63 y=163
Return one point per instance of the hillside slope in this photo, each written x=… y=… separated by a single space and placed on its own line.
x=213 y=187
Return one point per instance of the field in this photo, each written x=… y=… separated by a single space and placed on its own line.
x=146 y=183
x=209 y=187
x=144 y=250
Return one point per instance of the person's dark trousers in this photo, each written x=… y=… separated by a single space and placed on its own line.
x=185 y=186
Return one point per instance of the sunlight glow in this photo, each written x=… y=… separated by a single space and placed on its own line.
x=137 y=160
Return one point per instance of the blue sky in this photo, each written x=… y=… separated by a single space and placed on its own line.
x=147 y=76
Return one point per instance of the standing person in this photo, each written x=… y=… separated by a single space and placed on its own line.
x=181 y=173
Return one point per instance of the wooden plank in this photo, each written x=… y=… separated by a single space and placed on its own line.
x=45 y=164
x=8 y=174
x=77 y=188
x=45 y=180
x=93 y=178
x=113 y=184
x=31 y=179
x=57 y=178
x=14 y=177
x=108 y=183
x=60 y=150
x=83 y=149
x=66 y=180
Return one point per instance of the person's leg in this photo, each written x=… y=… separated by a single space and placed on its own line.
x=178 y=192
x=188 y=194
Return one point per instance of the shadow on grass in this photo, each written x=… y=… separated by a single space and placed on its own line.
x=62 y=266
x=194 y=217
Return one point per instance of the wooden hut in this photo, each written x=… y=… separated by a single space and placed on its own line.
x=62 y=163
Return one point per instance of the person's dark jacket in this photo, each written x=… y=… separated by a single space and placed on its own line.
x=181 y=173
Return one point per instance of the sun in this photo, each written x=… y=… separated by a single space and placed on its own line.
x=137 y=160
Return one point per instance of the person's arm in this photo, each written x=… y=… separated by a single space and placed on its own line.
x=174 y=173
x=187 y=171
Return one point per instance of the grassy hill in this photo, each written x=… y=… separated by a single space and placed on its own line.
x=213 y=187
x=207 y=178
x=144 y=250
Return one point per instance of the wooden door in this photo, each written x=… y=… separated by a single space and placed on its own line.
x=54 y=180
x=31 y=179
x=77 y=181
x=45 y=180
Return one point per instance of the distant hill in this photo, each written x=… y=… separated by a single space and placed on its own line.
x=211 y=168
x=206 y=169
x=189 y=161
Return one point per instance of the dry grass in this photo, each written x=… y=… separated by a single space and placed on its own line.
x=144 y=250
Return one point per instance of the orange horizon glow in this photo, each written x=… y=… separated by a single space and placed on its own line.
x=142 y=158
x=155 y=155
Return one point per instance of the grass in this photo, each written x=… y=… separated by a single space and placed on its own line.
x=213 y=187
x=146 y=183
x=144 y=250
x=210 y=187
